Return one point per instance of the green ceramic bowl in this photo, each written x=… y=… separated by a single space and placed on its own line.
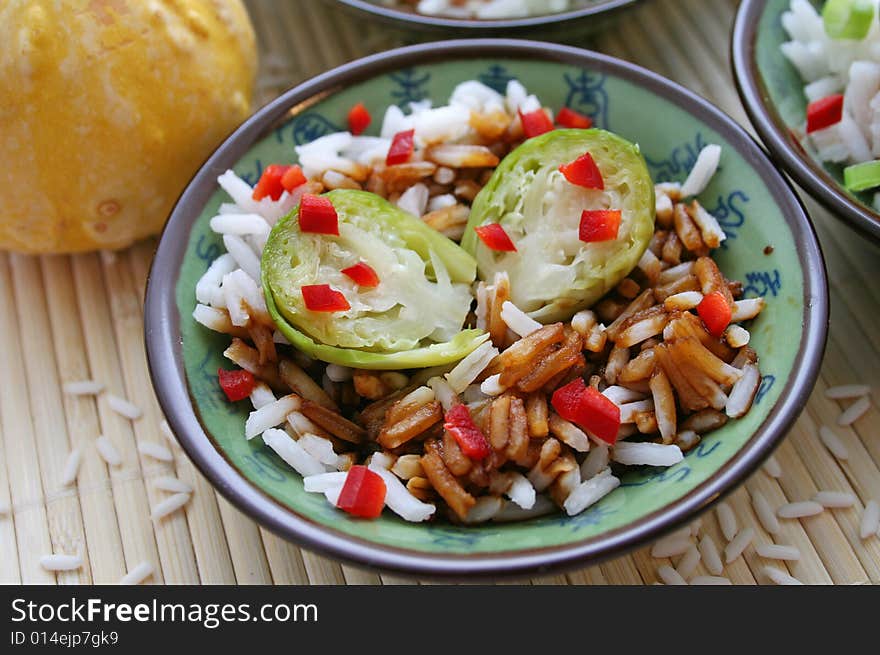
x=772 y=92
x=751 y=199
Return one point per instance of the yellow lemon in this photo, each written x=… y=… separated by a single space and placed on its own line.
x=107 y=108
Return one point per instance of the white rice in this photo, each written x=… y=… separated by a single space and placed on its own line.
x=123 y=407
x=445 y=200
x=108 y=451
x=138 y=574
x=772 y=467
x=650 y=454
x=83 y=388
x=172 y=484
x=323 y=481
x=262 y=395
x=684 y=300
x=765 y=513
x=71 y=467
x=740 y=399
x=517 y=320
x=835 y=499
x=319 y=448
x=799 y=509
x=621 y=395
x=467 y=370
x=696 y=526
x=271 y=415
x=156 y=451
x=628 y=411
x=737 y=336
x=778 y=551
x=513 y=512
x=738 y=544
x=855 y=411
x=442 y=392
x=711 y=558
x=702 y=171
x=521 y=491
x=239 y=224
x=710 y=580
x=486 y=508
x=208 y=286
x=169 y=505
x=589 y=492
x=492 y=386
x=292 y=453
x=846 y=391
x=829 y=66
x=339 y=373
x=244 y=255
x=670 y=576
x=727 y=520
x=595 y=462
x=61 y=562
x=779 y=576
x=688 y=562
x=870 y=522
x=398 y=498
x=414 y=200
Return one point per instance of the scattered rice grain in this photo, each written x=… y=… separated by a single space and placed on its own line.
x=772 y=467
x=670 y=576
x=61 y=562
x=727 y=520
x=799 y=509
x=167 y=433
x=846 y=391
x=780 y=577
x=870 y=520
x=71 y=467
x=83 y=388
x=671 y=546
x=738 y=544
x=765 y=513
x=168 y=506
x=778 y=551
x=108 y=451
x=711 y=558
x=688 y=563
x=172 y=484
x=123 y=407
x=156 y=451
x=835 y=499
x=138 y=574
x=855 y=411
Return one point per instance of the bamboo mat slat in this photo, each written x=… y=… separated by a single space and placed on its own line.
x=73 y=318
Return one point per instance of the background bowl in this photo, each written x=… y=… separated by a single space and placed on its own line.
x=751 y=199
x=772 y=92
x=587 y=16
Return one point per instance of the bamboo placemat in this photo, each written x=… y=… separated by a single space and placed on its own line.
x=72 y=318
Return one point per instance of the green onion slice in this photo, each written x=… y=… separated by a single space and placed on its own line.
x=860 y=177
x=848 y=19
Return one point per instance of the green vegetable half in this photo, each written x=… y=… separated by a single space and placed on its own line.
x=412 y=319
x=861 y=177
x=848 y=19
x=553 y=274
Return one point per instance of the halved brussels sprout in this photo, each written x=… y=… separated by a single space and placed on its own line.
x=412 y=319
x=553 y=274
